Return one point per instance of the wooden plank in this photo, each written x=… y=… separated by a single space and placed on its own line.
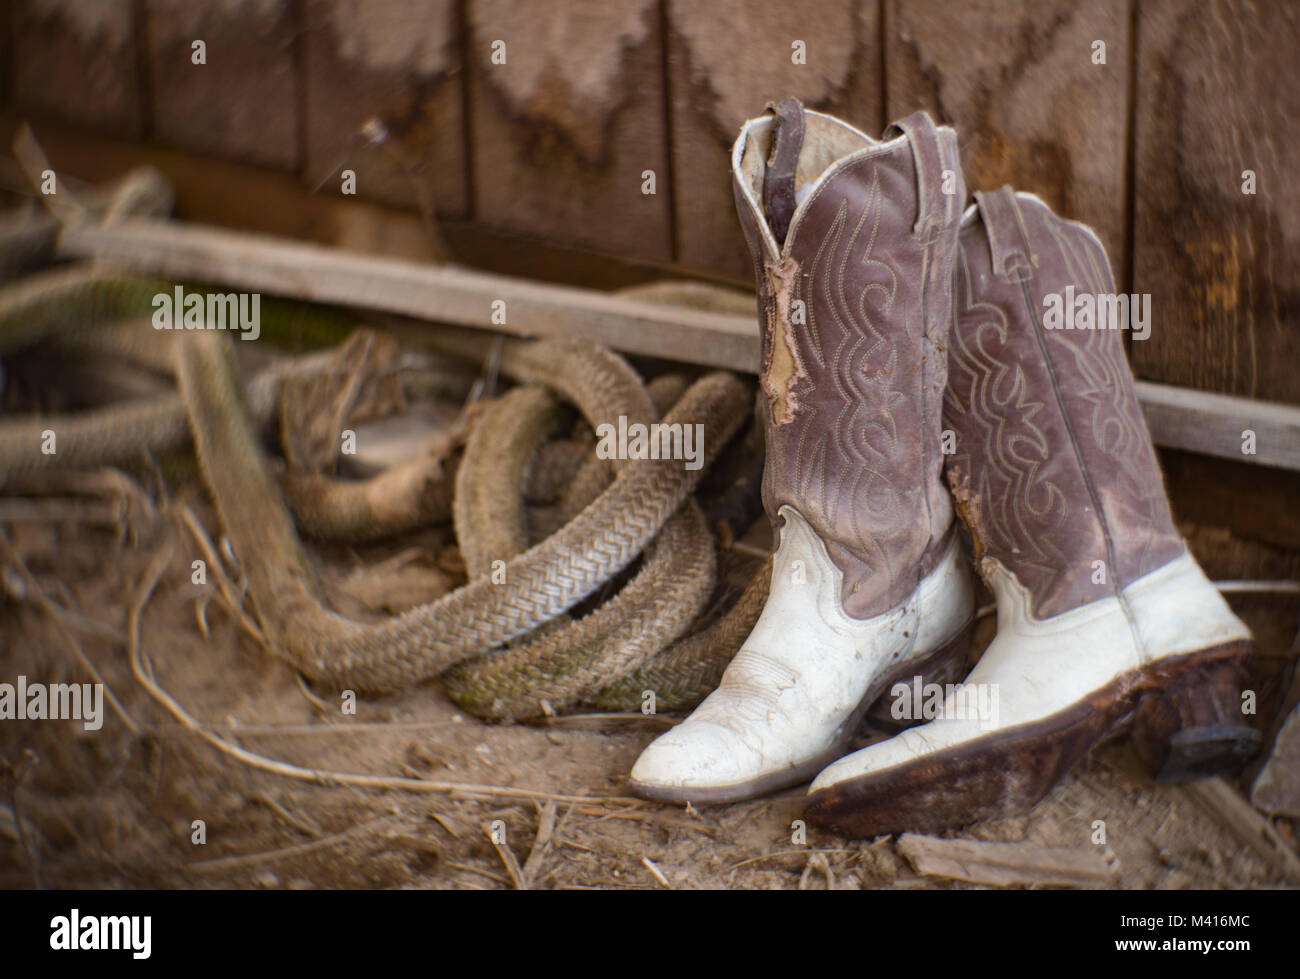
x=242 y=103
x=398 y=62
x=447 y=294
x=76 y=61
x=716 y=83
x=564 y=129
x=1215 y=424
x=1007 y=864
x=1196 y=420
x=1031 y=109
x=1217 y=96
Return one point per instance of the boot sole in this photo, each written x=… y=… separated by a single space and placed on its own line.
x=1180 y=711
x=945 y=661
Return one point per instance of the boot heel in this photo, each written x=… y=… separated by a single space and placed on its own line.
x=1192 y=726
x=947 y=664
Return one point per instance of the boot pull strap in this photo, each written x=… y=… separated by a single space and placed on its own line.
x=1009 y=246
x=778 y=179
x=934 y=151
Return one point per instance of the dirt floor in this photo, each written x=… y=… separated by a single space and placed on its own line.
x=121 y=807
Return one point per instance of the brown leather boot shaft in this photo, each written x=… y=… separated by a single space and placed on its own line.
x=855 y=303
x=1054 y=472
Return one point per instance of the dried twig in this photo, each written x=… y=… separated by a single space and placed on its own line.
x=300 y=823
x=442 y=821
x=509 y=859
x=817 y=863
x=545 y=830
x=478 y=870
x=658 y=874
x=230 y=595
x=319 y=703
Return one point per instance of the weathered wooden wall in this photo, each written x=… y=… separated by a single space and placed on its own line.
x=79 y=62
x=727 y=59
x=401 y=64
x=548 y=118
x=567 y=119
x=1218 y=90
x=1031 y=107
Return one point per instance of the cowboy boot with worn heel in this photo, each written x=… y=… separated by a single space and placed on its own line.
x=1104 y=618
x=853 y=242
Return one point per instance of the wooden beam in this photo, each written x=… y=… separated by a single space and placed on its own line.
x=1217 y=425
x=447 y=294
x=1196 y=421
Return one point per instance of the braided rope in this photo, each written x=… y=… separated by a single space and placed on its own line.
x=539 y=584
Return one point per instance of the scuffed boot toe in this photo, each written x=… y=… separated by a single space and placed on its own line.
x=698 y=762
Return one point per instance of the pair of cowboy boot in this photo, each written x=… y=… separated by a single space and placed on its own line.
x=895 y=326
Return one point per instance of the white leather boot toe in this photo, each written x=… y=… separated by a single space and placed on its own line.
x=793 y=696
